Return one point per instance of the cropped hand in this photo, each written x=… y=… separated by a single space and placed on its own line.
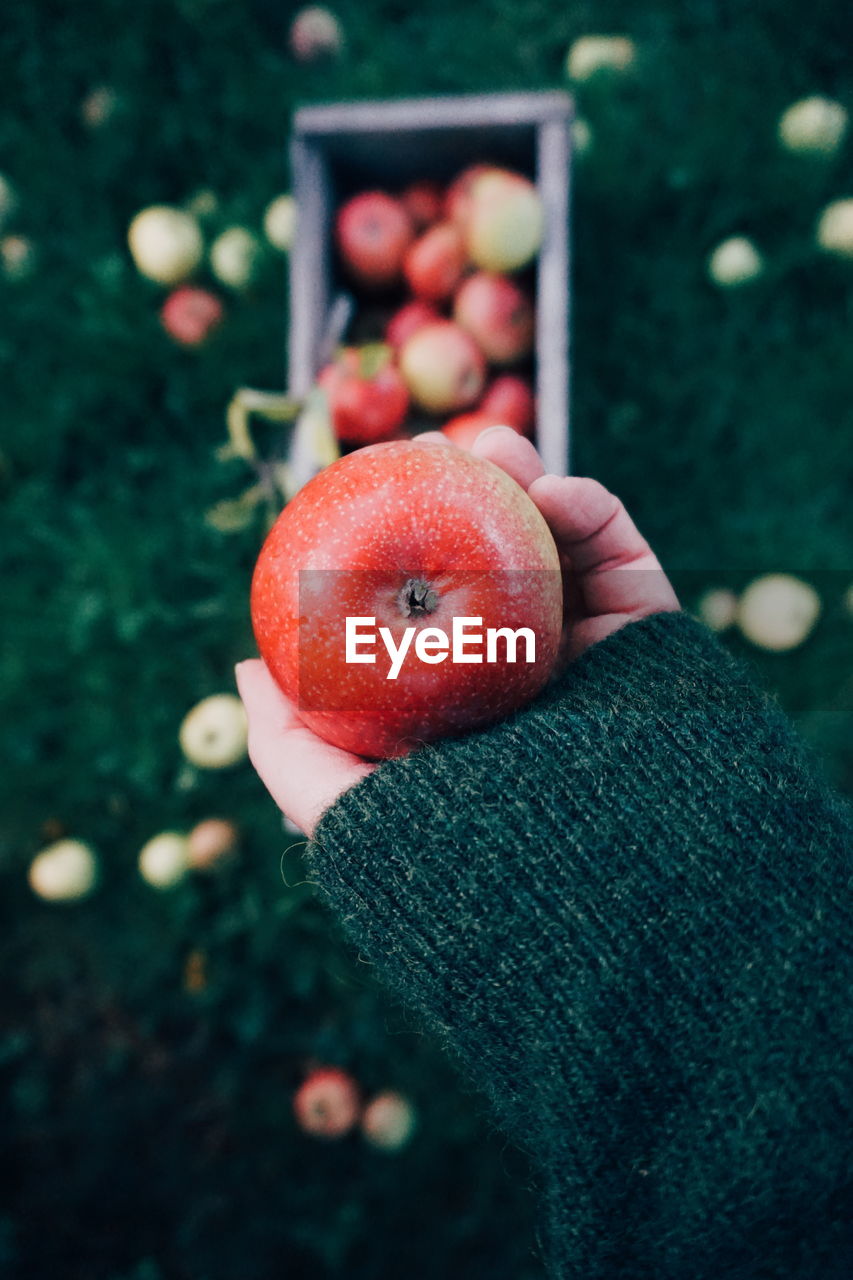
x=611 y=578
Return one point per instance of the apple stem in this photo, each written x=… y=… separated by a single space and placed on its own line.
x=416 y=597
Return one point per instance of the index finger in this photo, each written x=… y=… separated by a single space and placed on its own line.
x=511 y=452
x=616 y=567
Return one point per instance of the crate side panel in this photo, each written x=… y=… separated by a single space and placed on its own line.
x=462 y=111
x=310 y=263
x=552 y=297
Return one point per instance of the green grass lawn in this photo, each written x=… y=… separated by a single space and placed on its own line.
x=148 y=1130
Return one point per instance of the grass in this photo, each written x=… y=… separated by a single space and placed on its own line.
x=149 y=1130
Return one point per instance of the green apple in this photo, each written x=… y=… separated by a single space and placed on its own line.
x=165 y=860
x=166 y=244
x=505 y=221
x=214 y=734
x=443 y=367
x=64 y=872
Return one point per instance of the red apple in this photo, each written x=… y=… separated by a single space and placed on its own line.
x=415 y=536
x=510 y=399
x=497 y=314
x=373 y=232
x=464 y=429
x=434 y=264
x=458 y=199
x=424 y=202
x=190 y=315
x=368 y=399
x=504 y=222
x=212 y=844
x=443 y=367
x=327 y=1104
x=411 y=317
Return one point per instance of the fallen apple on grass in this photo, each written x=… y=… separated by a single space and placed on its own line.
x=164 y=860
x=18 y=258
x=280 y=222
x=327 y=1104
x=189 y=315
x=388 y=1121
x=368 y=399
x=373 y=232
x=66 y=871
x=165 y=243
x=315 y=33
x=212 y=844
x=414 y=536
x=235 y=257
x=214 y=733
x=443 y=367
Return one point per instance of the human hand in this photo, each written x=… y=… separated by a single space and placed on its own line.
x=611 y=578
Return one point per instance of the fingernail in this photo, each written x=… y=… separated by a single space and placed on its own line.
x=498 y=427
x=430 y=437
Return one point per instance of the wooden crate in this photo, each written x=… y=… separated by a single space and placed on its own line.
x=341 y=148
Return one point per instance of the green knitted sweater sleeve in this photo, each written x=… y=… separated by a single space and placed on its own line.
x=625 y=912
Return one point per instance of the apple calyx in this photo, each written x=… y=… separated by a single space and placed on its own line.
x=416 y=597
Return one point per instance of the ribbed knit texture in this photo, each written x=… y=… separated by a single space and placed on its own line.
x=626 y=913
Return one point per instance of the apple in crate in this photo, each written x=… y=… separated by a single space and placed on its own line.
x=443 y=367
x=424 y=203
x=498 y=314
x=368 y=399
x=464 y=429
x=405 y=322
x=373 y=232
x=510 y=399
x=434 y=264
x=503 y=221
x=457 y=202
x=415 y=536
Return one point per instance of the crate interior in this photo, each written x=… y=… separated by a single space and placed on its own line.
x=348 y=153
x=395 y=157
x=391 y=158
